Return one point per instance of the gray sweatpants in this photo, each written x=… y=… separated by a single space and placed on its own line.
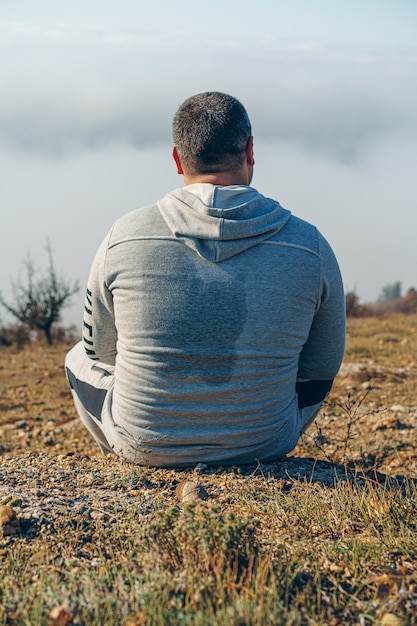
x=91 y=385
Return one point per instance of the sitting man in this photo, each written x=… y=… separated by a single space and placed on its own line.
x=214 y=319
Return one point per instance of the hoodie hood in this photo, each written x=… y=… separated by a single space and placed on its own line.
x=220 y=222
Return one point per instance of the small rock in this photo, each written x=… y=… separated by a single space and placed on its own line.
x=9 y=524
x=6 y=514
x=59 y=616
x=389 y=619
x=399 y=408
x=189 y=491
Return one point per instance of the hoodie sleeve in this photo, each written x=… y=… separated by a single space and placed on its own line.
x=99 y=330
x=322 y=354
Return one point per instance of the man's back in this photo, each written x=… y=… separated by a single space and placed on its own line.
x=210 y=325
x=214 y=320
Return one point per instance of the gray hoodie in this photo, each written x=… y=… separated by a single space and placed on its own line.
x=211 y=304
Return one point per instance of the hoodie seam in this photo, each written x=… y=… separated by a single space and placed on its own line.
x=290 y=245
x=144 y=238
x=106 y=282
x=321 y=272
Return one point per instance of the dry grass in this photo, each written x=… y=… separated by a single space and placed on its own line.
x=103 y=542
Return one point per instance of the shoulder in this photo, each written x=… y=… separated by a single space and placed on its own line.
x=304 y=233
x=298 y=232
x=144 y=222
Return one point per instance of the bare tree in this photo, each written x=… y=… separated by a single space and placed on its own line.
x=352 y=302
x=38 y=302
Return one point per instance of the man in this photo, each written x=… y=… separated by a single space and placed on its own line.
x=215 y=320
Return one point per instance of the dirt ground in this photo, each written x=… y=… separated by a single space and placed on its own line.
x=370 y=418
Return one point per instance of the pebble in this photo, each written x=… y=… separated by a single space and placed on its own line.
x=389 y=619
x=189 y=491
x=9 y=523
x=399 y=408
x=59 y=616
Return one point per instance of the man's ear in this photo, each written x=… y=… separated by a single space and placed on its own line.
x=250 y=159
x=177 y=161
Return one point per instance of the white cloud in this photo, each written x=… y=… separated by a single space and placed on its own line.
x=66 y=90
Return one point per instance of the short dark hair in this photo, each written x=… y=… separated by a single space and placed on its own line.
x=211 y=132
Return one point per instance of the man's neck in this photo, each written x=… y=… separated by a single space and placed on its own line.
x=224 y=179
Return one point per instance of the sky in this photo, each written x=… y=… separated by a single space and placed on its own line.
x=89 y=88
